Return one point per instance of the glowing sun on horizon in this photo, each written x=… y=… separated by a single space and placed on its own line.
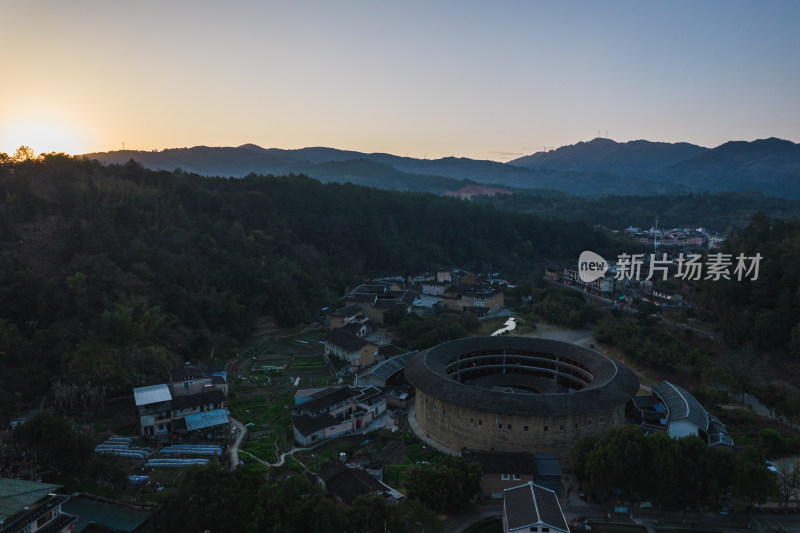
x=43 y=136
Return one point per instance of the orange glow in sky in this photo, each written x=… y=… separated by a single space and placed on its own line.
x=43 y=136
x=487 y=80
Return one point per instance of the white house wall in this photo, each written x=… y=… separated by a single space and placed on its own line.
x=682 y=428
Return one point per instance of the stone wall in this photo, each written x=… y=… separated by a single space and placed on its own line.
x=459 y=427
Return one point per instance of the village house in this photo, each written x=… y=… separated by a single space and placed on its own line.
x=346 y=315
x=194 y=399
x=502 y=471
x=194 y=378
x=434 y=288
x=481 y=299
x=532 y=508
x=604 y=286
x=334 y=411
x=346 y=484
x=444 y=275
x=28 y=506
x=375 y=298
x=682 y=415
x=351 y=350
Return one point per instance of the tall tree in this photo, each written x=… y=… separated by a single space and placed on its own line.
x=752 y=482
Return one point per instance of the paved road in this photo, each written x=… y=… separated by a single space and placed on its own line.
x=233 y=451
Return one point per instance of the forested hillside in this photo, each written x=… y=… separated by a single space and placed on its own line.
x=108 y=275
x=766 y=312
x=722 y=211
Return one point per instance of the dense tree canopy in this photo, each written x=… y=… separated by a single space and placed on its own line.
x=111 y=274
x=722 y=211
x=447 y=486
x=681 y=474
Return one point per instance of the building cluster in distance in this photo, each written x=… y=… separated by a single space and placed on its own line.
x=619 y=289
x=698 y=239
x=349 y=345
x=463 y=291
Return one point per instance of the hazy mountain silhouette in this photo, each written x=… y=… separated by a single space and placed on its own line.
x=605 y=155
x=771 y=166
x=600 y=166
x=384 y=171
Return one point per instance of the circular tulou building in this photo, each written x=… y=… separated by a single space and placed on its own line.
x=517 y=394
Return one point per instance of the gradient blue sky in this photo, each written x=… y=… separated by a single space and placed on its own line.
x=425 y=79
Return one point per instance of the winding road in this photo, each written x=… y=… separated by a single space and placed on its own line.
x=233 y=451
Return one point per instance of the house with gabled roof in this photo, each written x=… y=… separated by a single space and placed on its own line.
x=532 y=508
x=500 y=471
x=434 y=288
x=354 y=350
x=343 y=316
x=346 y=484
x=376 y=297
x=334 y=411
x=685 y=416
x=479 y=298
x=503 y=470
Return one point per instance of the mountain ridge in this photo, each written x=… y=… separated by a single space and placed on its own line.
x=599 y=166
x=601 y=154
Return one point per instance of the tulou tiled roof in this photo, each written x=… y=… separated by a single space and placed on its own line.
x=611 y=384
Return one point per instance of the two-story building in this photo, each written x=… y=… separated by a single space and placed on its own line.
x=355 y=351
x=344 y=316
x=195 y=398
x=334 y=411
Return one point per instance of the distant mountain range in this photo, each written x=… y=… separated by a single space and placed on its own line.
x=605 y=155
x=600 y=166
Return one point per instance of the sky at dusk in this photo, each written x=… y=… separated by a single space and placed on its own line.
x=487 y=80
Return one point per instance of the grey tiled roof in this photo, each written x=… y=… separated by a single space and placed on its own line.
x=345 y=340
x=529 y=505
x=307 y=425
x=350 y=310
x=324 y=399
x=681 y=405
x=190 y=371
x=352 y=483
x=216 y=397
x=385 y=369
x=611 y=385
